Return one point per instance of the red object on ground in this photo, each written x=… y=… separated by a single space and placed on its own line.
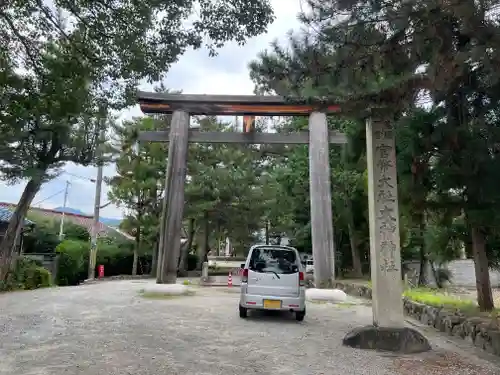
x=230 y=280
x=101 y=271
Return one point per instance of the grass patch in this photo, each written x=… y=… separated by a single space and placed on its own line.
x=438 y=298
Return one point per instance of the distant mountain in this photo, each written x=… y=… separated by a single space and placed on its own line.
x=106 y=221
x=70 y=210
x=110 y=222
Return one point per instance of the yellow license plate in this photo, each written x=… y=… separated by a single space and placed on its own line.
x=272 y=304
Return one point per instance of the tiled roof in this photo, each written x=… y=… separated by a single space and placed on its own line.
x=6 y=214
x=81 y=220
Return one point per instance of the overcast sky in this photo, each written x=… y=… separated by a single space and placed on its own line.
x=195 y=73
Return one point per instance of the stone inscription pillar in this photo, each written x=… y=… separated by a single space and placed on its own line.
x=388 y=331
x=385 y=253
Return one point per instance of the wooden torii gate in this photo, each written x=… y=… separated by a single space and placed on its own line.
x=382 y=194
x=318 y=137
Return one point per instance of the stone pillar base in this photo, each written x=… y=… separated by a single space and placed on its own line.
x=398 y=340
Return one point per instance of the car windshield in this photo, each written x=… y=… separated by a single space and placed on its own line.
x=279 y=261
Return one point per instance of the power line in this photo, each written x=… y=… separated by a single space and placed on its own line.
x=80 y=177
x=51 y=196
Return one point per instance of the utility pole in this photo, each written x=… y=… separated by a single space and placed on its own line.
x=95 y=224
x=61 y=227
x=97 y=207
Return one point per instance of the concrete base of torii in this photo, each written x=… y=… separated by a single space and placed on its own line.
x=403 y=340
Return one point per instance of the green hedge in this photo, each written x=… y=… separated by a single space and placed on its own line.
x=28 y=274
x=73 y=255
x=116 y=259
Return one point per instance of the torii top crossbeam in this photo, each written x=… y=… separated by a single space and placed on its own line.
x=220 y=105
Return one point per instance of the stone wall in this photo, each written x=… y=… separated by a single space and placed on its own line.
x=483 y=333
x=462 y=273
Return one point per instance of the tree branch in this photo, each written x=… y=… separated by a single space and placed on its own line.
x=23 y=41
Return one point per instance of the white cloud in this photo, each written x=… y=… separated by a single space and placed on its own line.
x=195 y=73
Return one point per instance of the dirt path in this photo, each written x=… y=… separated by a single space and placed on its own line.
x=109 y=329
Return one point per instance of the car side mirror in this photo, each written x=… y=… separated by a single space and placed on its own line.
x=242 y=265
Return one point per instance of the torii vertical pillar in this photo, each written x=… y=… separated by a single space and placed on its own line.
x=173 y=204
x=321 y=201
x=388 y=331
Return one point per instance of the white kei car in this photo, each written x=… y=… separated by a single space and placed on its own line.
x=273 y=279
x=309 y=266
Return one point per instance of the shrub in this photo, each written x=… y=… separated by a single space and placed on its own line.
x=28 y=274
x=74 y=232
x=35 y=277
x=42 y=239
x=116 y=259
x=73 y=255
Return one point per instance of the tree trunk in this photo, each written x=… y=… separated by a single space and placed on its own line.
x=419 y=219
x=134 y=263
x=206 y=241
x=136 y=251
x=137 y=246
x=183 y=259
x=217 y=236
x=203 y=249
x=154 y=260
x=353 y=241
x=353 y=238
x=267 y=232
x=7 y=246
x=19 y=239
x=357 y=269
x=483 y=285
x=17 y=252
x=436 y=276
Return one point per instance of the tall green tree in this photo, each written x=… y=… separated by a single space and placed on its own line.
x=138 y=185
x=48 y=120
x=224 y=190
x=125 y=41
x=369 y=56
x=415 y=148
x=77 y=59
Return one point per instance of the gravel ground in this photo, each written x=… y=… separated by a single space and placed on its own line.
x=110 y=329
